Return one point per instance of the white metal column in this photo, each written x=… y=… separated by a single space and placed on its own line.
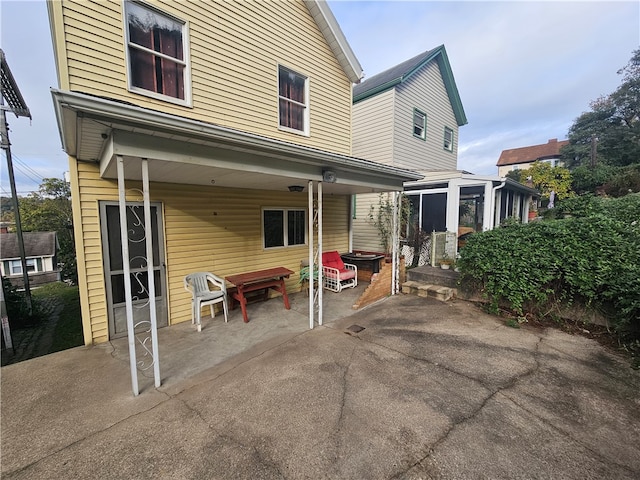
x=320 y=279
x=150 y=273
x=395 y=245
x=310 y=239
x=124 y=239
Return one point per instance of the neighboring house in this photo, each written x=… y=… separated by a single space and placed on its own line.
x=407 y=116
x=41 y=250
x=212 y=117
x=523 y=157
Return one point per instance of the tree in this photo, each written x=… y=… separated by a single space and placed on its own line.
x=47 y=210
x=610 y=132
x=545 y=179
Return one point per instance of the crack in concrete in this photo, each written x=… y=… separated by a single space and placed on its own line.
x=259 y=454
x=493 y=393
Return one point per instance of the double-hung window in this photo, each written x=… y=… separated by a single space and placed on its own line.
x=293 y=101
x=419 y=124
x=157 y=54
x=15 y=266
x=448 y=139
x=283 y=227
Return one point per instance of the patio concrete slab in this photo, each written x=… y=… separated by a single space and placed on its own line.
x=425 y=390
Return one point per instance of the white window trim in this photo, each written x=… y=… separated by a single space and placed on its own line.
x=285 y=226
x=450 y=148
x=307 y=108
x=424 y=124
x=188 y=101
x=12 y=270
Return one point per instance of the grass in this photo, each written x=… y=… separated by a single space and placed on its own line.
x=68 y=332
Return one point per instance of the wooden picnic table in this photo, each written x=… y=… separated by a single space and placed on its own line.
x=271 y=278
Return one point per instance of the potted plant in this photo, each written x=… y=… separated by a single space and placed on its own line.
x=445 y=262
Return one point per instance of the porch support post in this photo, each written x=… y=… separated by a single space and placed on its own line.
x=395 y=245
x=124 y=240
x=310 y=239
x=487 y=214
x=150 y=273
x=320 y=279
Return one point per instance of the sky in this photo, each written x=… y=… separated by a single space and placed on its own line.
x=524 y=70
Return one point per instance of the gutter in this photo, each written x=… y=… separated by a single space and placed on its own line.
x=135 y=116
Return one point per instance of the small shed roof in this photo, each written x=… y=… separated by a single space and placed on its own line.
x=548 y=150
x=36 y=244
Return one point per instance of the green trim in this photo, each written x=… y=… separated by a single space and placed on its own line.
x=377 y=90
x=422 y=137
x=440 y=55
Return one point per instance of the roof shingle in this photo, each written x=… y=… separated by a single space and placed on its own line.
x=36 y=244
x=514 y=156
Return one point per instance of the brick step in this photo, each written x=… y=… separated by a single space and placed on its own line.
x=420 y=289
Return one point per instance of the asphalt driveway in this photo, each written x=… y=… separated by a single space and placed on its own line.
x=425 y=390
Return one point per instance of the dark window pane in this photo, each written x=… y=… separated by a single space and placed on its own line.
x=273 y=225
x=139 y=286
x=296 y=227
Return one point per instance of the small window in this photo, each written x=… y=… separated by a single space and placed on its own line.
x=15 y=266
x=419 y=124
x=157 y=54
x=283 y=227
x=448 y=139
x=293 y=101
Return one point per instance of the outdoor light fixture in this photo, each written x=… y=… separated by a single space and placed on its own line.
x=329 y=176
x=296 y=188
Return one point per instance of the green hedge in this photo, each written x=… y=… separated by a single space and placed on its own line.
x=593 y=256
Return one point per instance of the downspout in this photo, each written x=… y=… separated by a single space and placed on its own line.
x=493 y=202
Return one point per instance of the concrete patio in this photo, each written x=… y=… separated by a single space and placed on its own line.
x=425 y=390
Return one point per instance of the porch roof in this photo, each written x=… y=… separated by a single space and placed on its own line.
x=187 y=151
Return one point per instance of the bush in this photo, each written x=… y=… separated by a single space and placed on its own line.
x=593 y=257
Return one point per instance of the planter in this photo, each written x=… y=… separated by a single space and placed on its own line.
x=445 y=266
x=532 y=215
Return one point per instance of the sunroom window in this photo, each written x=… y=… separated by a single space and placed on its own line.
x=157 y=54
x=293 y=101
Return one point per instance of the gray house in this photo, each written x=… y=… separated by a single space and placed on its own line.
x=408 y=116
x=41 y=250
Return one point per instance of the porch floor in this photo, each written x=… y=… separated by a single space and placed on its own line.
x=186 y=353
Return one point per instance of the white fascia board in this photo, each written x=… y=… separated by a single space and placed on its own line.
x=332 y=32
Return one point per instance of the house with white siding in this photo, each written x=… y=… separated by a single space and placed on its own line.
x=41 y=255
x=202 y=136
x=409 y=116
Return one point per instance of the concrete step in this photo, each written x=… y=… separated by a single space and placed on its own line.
x=420 y=289
x=433 y=276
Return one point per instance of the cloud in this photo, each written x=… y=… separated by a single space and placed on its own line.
x=524 y=70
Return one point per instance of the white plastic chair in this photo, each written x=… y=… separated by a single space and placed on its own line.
x=202 y=295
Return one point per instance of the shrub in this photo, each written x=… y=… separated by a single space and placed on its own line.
x=594 y=257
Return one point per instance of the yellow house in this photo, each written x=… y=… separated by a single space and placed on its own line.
x=192 y=121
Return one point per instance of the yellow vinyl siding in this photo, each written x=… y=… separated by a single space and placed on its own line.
x=205 y=228
x=235 y=49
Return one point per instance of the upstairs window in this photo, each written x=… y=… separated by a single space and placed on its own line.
x=293 y=101
x=157 y=54
x=448 y=139
x=419 y=124
x=283 y=227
